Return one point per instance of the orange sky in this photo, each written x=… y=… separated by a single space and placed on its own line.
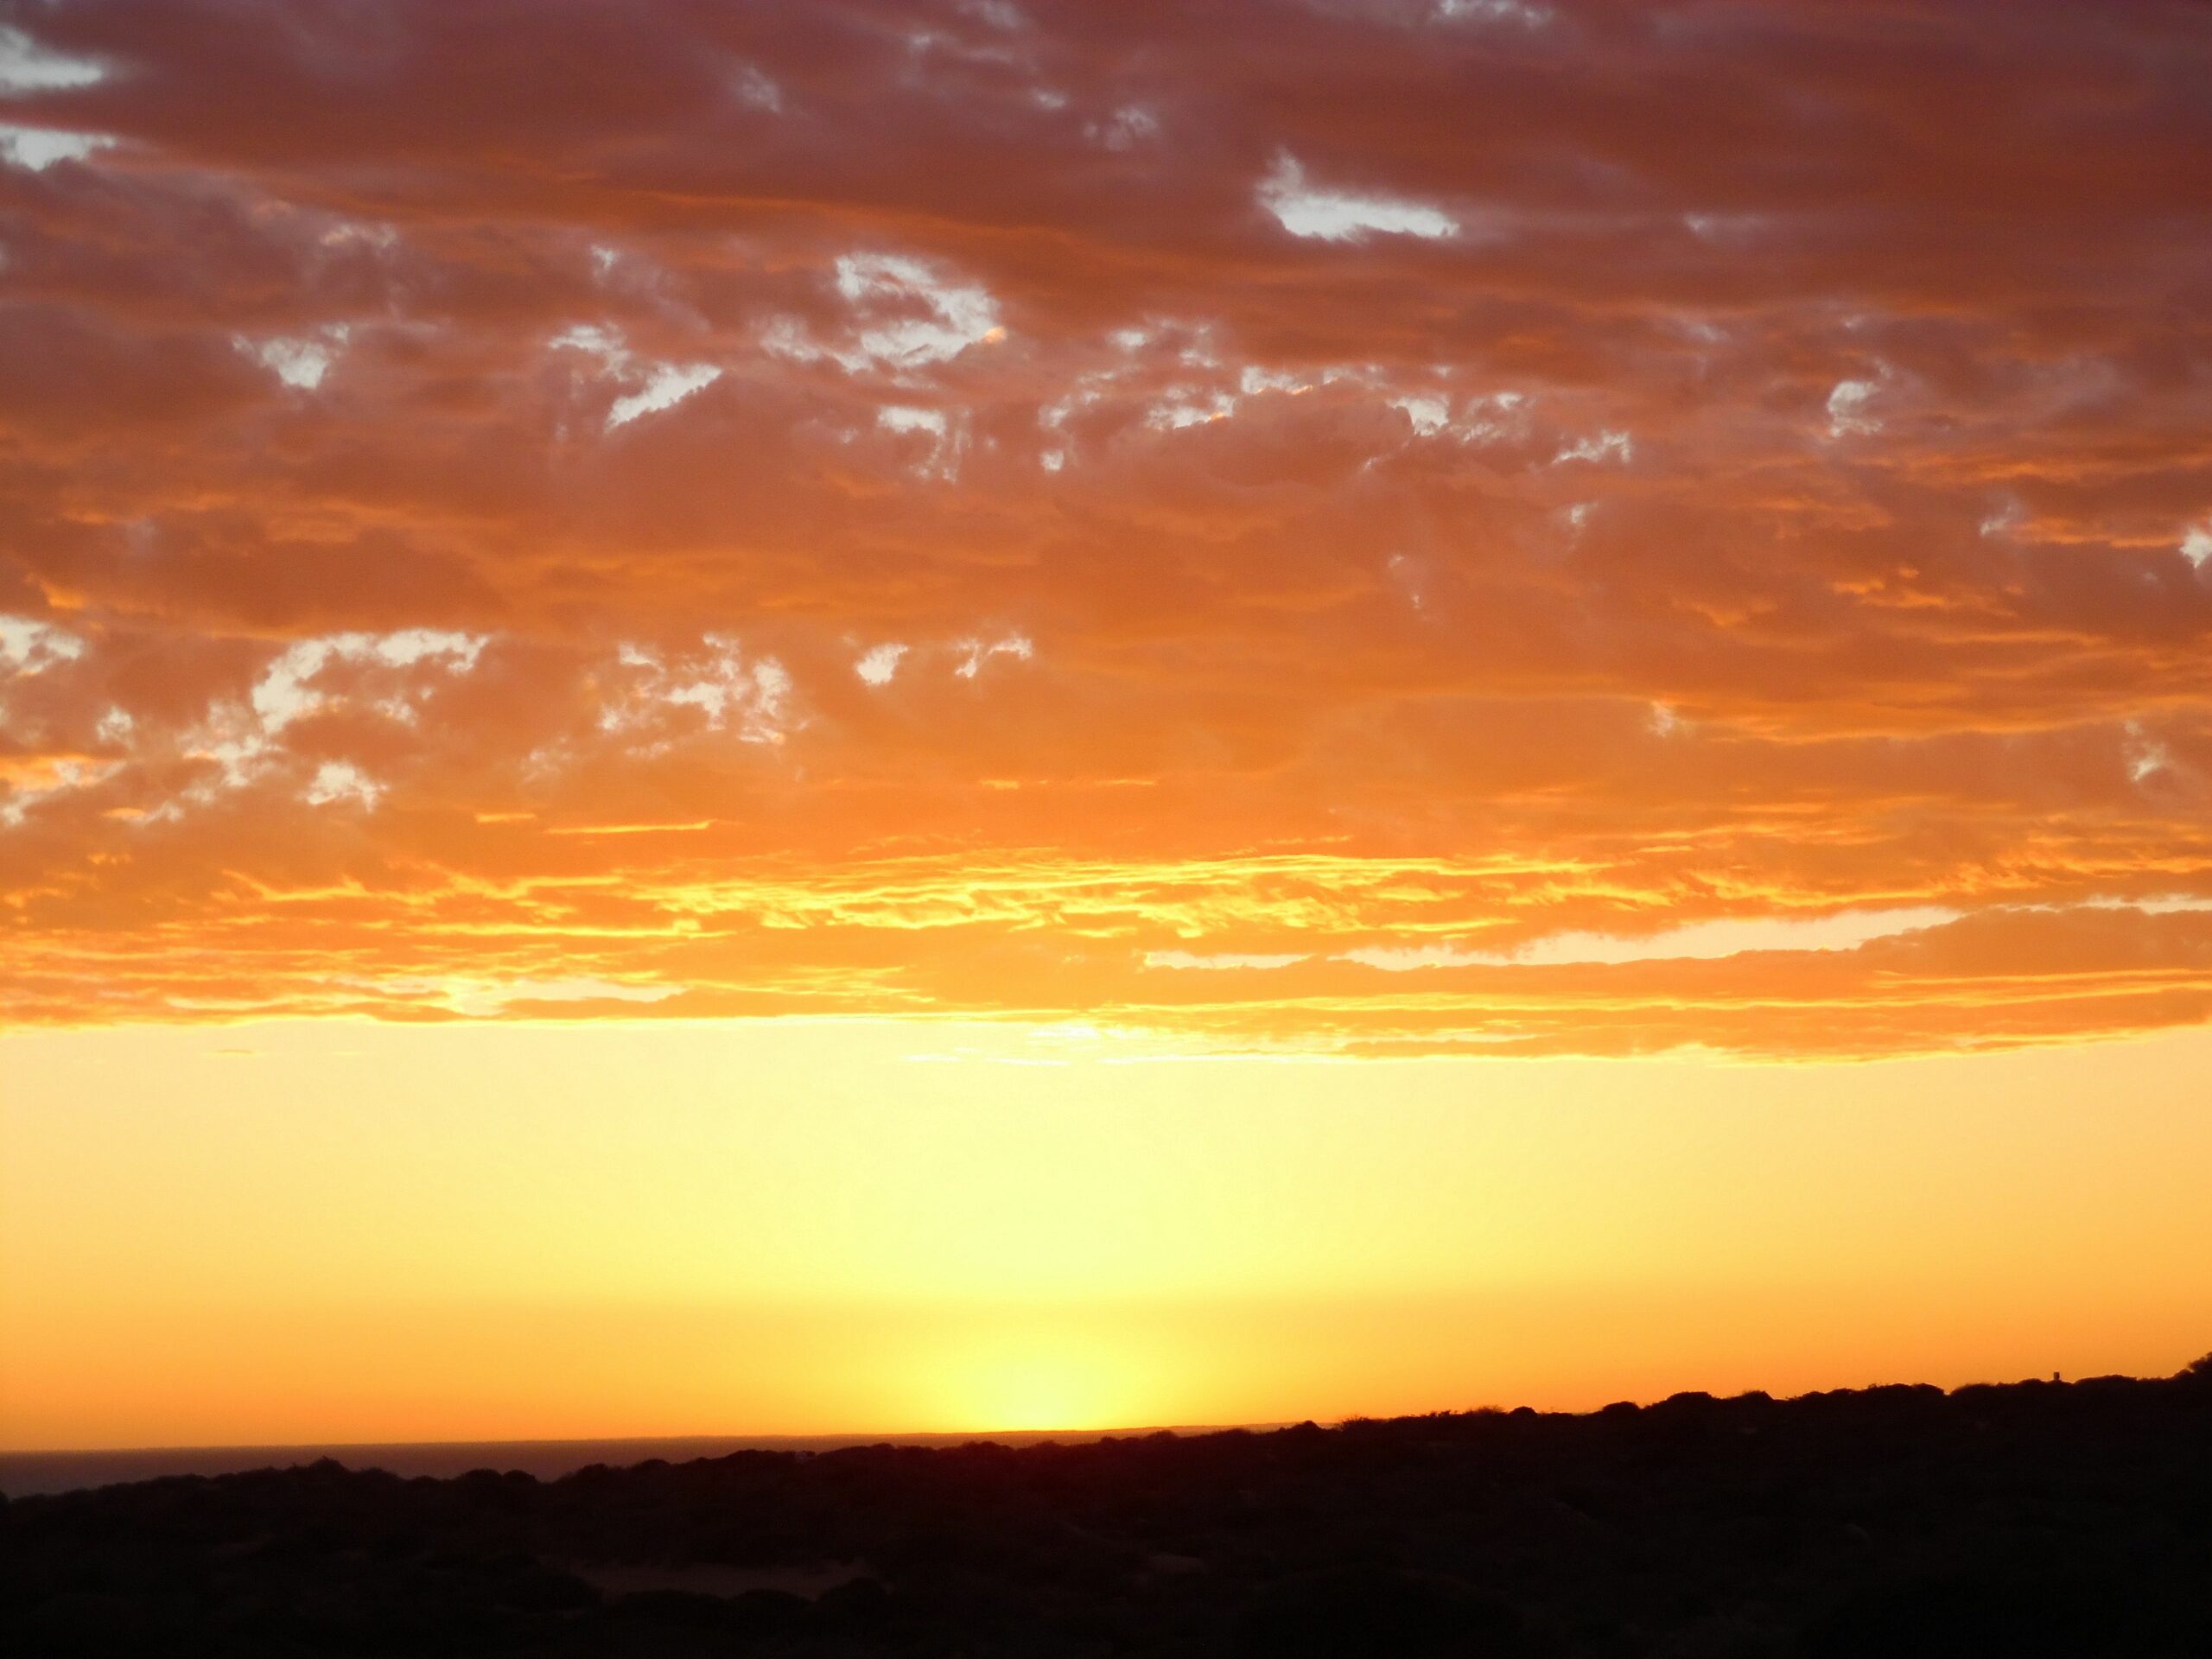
x=1447 y=532
x=321 y=1231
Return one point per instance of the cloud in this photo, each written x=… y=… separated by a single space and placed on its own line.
x=27 y=66
x=667 y=385
x=1429 y=414
x=28 y=646
x=1342 y=215
x=879 y=664
x=1125 y=129
x=299 y=362
x=788 y=514
x=341 y=780
x=1220 y=962
x=974 y=653
x=1605 y=446
x=1493 y=11
x=1695 y=941
x=286 y=688
x=759 y=91
x=717 y=686
x=947 y=438
x=365 y=681
x=493 y=997
x=39 y=147
x=907 y=317
x=1848 y=412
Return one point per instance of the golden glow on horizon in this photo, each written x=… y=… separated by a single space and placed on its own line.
x=319 y=1231
x=726 y=718
x=1056 y=1380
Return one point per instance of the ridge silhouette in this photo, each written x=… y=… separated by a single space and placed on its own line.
x=2020 y=1519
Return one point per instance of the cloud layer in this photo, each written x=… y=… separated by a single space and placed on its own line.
x=1390 y=526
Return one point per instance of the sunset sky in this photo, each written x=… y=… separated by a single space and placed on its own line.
x=875 y=715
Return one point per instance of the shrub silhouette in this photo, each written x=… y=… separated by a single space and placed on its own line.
x=2007 y=1519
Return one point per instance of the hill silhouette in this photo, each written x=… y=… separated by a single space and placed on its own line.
x=2013 y=1520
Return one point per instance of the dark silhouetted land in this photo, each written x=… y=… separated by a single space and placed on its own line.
x=2024 y=1519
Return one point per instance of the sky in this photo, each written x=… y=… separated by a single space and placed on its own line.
x=959 y=712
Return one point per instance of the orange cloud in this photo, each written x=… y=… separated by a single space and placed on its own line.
x=530 y=510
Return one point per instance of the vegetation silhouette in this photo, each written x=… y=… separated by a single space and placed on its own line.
x=2013 y=1520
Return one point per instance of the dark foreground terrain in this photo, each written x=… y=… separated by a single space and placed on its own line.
x=2025 y=1519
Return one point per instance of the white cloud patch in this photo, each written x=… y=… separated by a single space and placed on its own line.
x=930 y=319
x=669 y=385
x=1847 y=408
x=1518 y=12
x=1342 y=215
x=949 y=438
x=959 y=315
x=1124 y=129
x=1186 y=407
x=355 y=233
x=39 y=147
x=878 y=665
x=28 y=647
x=27 y=786
x=1088 y=391
x=1253 y=379
x=397 y=674
x=1492 y=418
x=1430 y=414
x=26 y=65
x=287 y=691
x=2147 y=756
x=750 y=699
x=1606 y=446
x=605 y=344
x=297 y=360
x=974 y=653
x=337 y=781
x=2167 y=904
x=1727 y=228
x=2196 y=544
x=751 y=87
x=1843 y=931
x=486 y=997
x=1220 y=962
x=665 y=384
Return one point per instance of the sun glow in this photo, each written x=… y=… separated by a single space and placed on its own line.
x=545 y=1230
x=1024 y=1380
x=875 y=715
